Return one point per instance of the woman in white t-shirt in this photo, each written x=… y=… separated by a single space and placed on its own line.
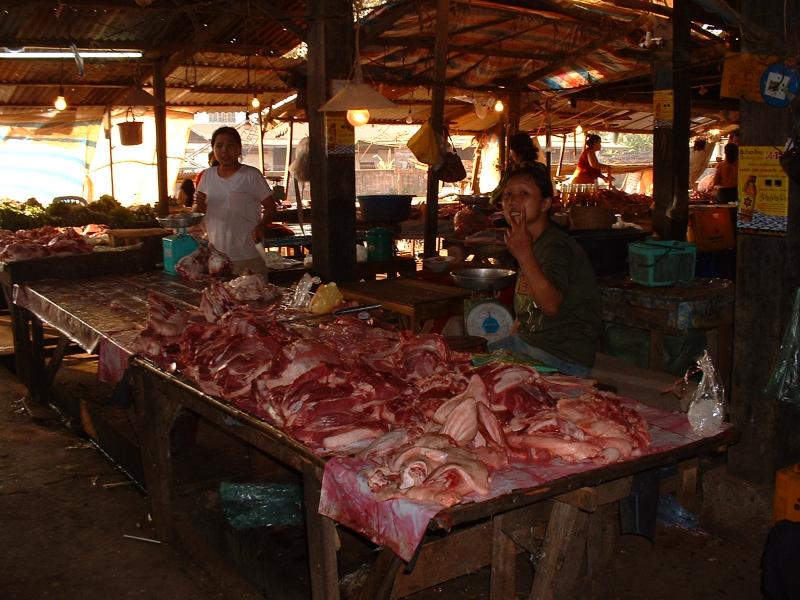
x=237 y=202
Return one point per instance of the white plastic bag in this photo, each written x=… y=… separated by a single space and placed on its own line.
x=302 y=292
x=707 y=409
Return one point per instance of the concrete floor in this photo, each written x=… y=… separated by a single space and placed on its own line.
x=63 y=530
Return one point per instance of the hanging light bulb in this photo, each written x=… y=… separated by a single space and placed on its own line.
x=409 y=120
x=61 y=102
x=255 y=102
x=499 y=106
x=578 y=130
x=358 y=116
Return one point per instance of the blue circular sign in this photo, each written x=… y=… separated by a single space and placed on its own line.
x=778 y=85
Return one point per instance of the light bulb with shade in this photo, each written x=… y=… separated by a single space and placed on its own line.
x=60 y=103
x=358 y=116
x=255 y=102
x=499 y=106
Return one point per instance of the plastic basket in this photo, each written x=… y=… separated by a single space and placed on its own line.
x=657 y=263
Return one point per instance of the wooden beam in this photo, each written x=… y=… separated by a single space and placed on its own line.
x=437 y=114
x=485 y=50
x=160 y=118
x=384 y=18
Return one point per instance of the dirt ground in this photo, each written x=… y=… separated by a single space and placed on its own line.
x=63 y=532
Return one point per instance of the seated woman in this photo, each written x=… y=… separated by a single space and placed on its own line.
x=726 y=176
x=557 y=302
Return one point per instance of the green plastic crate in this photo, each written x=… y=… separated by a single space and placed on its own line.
x=656 y=263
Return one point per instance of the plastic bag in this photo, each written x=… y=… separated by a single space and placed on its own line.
x=425 y=145
x=249 y=505
x=707 y=408
x=302 y=291
x=784 y=383
x=300 y=166
x=452 y=169
x=326 y=299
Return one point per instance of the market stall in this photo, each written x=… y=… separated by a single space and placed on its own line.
x=109 y=312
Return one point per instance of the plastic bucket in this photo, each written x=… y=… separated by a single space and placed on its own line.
x=130 y=133
x=380 y=244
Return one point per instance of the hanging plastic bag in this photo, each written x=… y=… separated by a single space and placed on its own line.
x=784 y=383
x=707 y=409
x=300 y=167
x=425 y=145
x=452 y=169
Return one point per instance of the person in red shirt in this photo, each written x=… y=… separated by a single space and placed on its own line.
x=589 y=167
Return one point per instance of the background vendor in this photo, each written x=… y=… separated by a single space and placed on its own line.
x=557 y=302
x=726 y=176
x=589 y=167
x=521 y=152
x=237 y=202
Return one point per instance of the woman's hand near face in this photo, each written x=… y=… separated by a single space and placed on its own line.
x=518 y=239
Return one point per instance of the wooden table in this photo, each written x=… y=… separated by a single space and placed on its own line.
x=416 y=301
x=27 y=331
x=569 y=518
x=572 y=511
x=704 y=304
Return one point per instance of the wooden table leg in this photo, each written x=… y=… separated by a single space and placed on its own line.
x=688 y=492
x=601 y=535
x=321 y=534
x=504 y=562
x=561 y=555
x=156 y=413
x=380 y=581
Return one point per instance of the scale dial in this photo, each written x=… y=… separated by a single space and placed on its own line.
x=489 y=319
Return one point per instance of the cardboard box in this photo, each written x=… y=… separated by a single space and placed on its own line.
x=712 y=229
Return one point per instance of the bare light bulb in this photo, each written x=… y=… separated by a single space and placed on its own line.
x=409 y=120
x=255 y=102
x=578 y=130
x=60 y=103
x=499 y=106
x=358 y=116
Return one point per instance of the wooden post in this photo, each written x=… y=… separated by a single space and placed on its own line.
x=671 y=134
x=766 y=278
x=437 y=120
x=331 y=45
x=514 y=109
x=160 y=114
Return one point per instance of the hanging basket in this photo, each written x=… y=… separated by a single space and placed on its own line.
x=130 y=132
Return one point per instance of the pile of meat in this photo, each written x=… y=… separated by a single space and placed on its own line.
x=425 y=423
x=204 y=263
x=703 y=197
x=623 y=203
x=27 y=244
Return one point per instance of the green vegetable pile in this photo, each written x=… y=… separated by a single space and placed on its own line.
x=105 y=211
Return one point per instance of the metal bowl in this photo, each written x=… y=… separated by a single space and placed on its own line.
x=483 y=278
x=179 y=220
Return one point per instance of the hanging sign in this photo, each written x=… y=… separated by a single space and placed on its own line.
x=663 y=114
x=778 y=85
x=763 y=191
x=340 y=136
x=741 y=75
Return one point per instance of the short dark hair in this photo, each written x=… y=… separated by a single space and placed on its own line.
x=522 y=144
x=226 y=131
x=592 y=138
x=538 y=173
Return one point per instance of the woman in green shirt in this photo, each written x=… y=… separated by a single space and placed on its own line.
x=557 y=302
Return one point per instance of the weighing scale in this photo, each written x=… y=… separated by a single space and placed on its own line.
x=179 y=244
x=484 y=315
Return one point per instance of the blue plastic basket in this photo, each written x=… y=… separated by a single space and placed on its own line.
x=656 y=263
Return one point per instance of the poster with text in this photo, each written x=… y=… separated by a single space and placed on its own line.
x=763 y=191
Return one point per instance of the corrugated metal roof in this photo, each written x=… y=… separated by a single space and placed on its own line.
x=548 y=52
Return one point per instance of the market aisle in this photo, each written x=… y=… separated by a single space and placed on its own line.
x=62 y=531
